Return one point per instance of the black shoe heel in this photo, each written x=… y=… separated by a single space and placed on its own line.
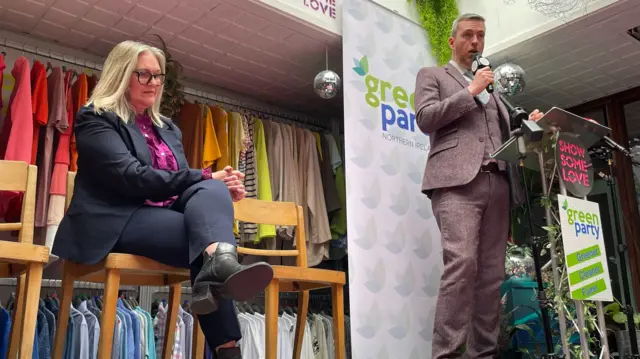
x=204 y=298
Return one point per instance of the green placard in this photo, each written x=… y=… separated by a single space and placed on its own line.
x=589 y=290
x=583 y=255
x=585 y=273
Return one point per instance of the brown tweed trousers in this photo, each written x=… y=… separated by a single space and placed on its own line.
x=471 y=208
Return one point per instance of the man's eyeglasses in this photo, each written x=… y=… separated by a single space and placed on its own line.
x=145 y=77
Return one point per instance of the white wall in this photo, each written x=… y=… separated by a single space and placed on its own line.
x=507 y=24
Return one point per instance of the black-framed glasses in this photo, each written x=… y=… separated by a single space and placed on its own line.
x=145 y=77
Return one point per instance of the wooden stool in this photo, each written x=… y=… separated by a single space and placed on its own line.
x=115 y=270
x=299 y=279
x=22 y=259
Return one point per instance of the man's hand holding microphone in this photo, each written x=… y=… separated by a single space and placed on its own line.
x=483 y=78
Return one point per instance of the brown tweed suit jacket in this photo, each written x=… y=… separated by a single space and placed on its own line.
x=455 y=123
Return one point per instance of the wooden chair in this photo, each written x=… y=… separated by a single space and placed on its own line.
x=23 y=259
x=297 y=278
x=115 y=270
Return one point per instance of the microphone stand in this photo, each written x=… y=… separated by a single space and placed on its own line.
x=622 y=249
x=543 y=301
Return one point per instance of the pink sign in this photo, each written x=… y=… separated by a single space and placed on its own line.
x=325 y=7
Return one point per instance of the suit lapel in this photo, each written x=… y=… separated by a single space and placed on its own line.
x=169 y=137
x=453 y=72
x=139 y=143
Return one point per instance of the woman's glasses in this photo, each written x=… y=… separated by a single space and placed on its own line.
x=145 y=77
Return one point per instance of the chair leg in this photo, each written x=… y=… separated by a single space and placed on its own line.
x=64 y=311
x=175 y=291
x=271 y=319
x=18 y=312
x=337 y=301
x=108 y=319
x=31 y=303
x=198 y=340
x=303 y=308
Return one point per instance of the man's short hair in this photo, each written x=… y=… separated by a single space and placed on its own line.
x=464 y=17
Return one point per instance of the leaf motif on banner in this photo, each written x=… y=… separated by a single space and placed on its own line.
x=426 y=325
x=391 y=161
x=392 y=60
x=415 y=354
x=396 y=240
x=424 y=207
x=432 y=281
x=383 y=21
x=416 y=170
x=361 y=66
x=406 y=281
x=356 y=10
x=565 y=205
x=401 y=322
x=363 y=155
x=376 y=277
x=367 y=44
x=368 y=236
x=424 y=245
x=359 y=85
x=373 y=195
x=408 y=36
x=369 y=123
x=370 y=319
x=401 y=202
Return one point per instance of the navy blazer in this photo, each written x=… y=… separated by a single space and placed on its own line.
x=115 y=177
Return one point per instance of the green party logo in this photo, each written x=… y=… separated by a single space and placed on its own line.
x=584 y=223
x=395 y=103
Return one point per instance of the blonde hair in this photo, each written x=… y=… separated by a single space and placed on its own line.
x=110 y=91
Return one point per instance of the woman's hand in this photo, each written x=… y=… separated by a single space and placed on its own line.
x=234 y=181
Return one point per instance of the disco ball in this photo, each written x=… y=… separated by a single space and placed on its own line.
x=509 y=79
x=326 y=84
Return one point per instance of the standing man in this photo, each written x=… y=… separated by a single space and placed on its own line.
x=470 y=193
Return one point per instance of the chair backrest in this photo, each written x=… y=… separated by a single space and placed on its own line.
x=261 y=212
x=71 y=179
x=21 y=177
x=277 y=213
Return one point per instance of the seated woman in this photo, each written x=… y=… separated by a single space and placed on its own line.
x=135 y=194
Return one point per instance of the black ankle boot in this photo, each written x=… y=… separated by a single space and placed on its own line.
x=229 y=353
x=222 y=276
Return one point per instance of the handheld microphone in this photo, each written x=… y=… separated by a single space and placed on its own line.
x=478 y=63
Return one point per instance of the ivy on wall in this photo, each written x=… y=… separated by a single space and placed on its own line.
x=437 y=16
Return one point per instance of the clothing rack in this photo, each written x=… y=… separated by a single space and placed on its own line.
x=57 y=283
x=280 y=115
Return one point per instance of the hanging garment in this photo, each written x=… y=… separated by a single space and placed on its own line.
x=331 y=197
x=58 y=120
x=77 y=336
x=80 y=94
x=315 y=209
x=16 y=136
x=339 y=218
x=58 y=188
x=93 y=327
x=265 y=231
x=191 y=123
x=39 y=104
x=2 y=67
x=5 y=329
x=221 y=126
x=211 y=149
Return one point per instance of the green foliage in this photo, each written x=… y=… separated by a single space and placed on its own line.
x=172 y=98
x=437 y=16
